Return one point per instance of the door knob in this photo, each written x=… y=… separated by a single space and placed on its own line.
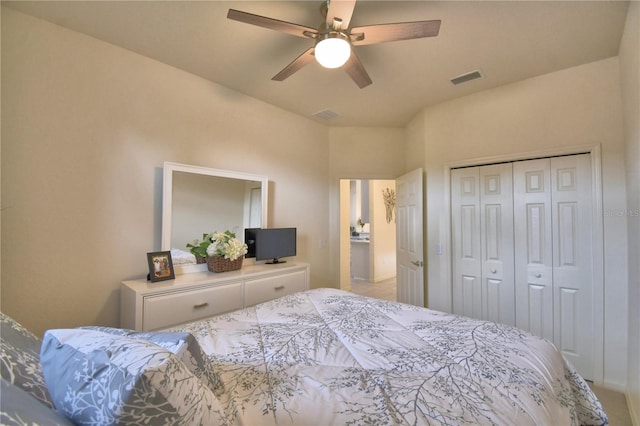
x=417 y=262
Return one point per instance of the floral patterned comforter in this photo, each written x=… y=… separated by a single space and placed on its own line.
x=329 y=357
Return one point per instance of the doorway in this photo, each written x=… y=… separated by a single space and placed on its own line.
x=367 y=238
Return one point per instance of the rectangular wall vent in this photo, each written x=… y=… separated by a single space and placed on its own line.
x=326 y=114
x=466 y=77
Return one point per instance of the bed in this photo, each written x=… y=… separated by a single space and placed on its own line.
x=319 y=357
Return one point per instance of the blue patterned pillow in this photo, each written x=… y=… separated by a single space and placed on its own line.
x=101 y=378
x=19 y=408
x=20 y=359
x=182 y=344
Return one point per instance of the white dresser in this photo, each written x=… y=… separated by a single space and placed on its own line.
x=151 y=306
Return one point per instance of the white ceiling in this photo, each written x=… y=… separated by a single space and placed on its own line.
x=507 y=40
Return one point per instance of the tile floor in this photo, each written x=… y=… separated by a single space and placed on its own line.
x=614 y=403
x=382 y=290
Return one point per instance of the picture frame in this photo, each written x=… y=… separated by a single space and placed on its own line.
x=160 y=266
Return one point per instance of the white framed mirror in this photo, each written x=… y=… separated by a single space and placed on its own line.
x=198 y=200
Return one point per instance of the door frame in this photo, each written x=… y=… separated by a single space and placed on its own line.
x=597 y=236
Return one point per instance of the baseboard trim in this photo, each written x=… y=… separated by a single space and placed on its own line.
x=633 y=410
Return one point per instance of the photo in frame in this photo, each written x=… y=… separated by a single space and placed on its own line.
x=160 y=266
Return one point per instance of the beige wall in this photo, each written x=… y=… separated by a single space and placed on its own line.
x=383 y=233
x=86 y=127
x=574 y=107
x=630 y=78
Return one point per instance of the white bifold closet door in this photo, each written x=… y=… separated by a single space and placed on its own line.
x=553 y=254
x=522 y=249
x=482 y=208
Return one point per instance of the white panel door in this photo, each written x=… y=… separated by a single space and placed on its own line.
x=482 y=229
x=409 y=231
x=533 y=246
x=467 y=256
x=572 y=259
x=496 y=236
x=553 y=254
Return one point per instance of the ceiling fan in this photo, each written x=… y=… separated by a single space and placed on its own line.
x=334 y=38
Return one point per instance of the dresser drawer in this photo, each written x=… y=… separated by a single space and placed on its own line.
x=189 y=297
x=263 y=289
x=175 y=308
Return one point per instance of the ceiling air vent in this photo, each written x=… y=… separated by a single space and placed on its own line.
x=326 y=114
x=466 y=77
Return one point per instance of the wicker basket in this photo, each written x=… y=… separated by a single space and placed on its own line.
x=220 y=264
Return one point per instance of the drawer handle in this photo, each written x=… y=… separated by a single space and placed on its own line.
x=201 y=305
x=280 y=287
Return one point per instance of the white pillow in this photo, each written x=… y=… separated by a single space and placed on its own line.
x=103 y=378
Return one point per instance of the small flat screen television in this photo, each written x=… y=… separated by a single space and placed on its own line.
x=272 y=244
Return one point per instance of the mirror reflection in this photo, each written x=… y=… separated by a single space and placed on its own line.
x=203 y=204
x=198 y=200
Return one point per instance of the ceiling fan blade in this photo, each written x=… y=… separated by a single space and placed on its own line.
x=272 y=24
x=299 y=62
x=392 y=32
x=356 y=71
x=341 y=9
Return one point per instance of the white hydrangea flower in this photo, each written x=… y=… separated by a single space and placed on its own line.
x=226 y=245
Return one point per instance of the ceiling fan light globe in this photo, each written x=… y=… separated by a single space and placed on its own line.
x=332 y=52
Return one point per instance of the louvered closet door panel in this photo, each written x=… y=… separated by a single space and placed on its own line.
x=467 y=261
x=533 y=246
x=496 y=236
x=572 y=277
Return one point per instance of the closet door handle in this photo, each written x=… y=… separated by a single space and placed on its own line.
x=201 y=305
